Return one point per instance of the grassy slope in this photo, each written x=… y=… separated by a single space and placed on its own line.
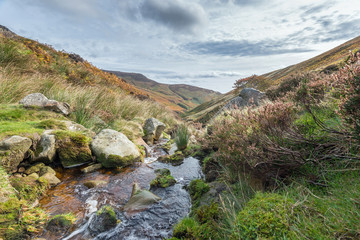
x=27 y=66
x=178 y=97
x=203 y=112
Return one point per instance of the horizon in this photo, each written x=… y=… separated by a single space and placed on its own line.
x=208 y=44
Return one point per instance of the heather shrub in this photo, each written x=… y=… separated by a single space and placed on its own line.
x=258 y=140
x=285 y=86
x=347 y=81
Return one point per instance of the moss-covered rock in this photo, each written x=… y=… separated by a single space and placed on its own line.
x=12 y=152
x=29 y=187
x=104 y=220
x=197 y=188
x=73 y=148
x=60 y=223
x=176 y=159
x=114 y=149
x=163 y=179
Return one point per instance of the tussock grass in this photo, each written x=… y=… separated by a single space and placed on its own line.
x=113 y=106
x=182 y=137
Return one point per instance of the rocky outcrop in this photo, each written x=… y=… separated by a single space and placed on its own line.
x=39 y=100
x=140 y=199
x=13 y=151
x=114 y=149
x=247 y=97
x=153 y=129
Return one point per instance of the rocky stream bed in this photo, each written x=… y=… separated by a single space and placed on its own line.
x=155 y=222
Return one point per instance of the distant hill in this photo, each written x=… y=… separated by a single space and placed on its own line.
x=333 y=57
x=179 y=97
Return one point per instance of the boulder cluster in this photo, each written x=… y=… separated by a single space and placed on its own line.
x=72 y=146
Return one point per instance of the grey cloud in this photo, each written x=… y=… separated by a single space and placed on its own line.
x=243 y=48
x=178 y=15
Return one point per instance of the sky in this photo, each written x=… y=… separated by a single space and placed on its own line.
x=206 y=43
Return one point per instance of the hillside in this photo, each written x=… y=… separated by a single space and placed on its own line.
x=329 y=59
x=96 y=97
x=179 y=97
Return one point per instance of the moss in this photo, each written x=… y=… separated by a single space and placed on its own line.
x=176 y=159
x=163 y=179
x=105 y=219
x=207 y=213
x=113 y=161
x=108 y=210
x=197 y=188
x=73 y=148
x=61 y=223
x=17 y=218
x=186 y=229
x=167 y=145
x=51 y=124
x=29 y=188
x=266 y=216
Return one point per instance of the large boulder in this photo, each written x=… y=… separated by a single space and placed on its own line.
x=153 y=129
x=114 y=149
x=39 y=100
x=46 y=149
x=13 y=151
x=140 y=199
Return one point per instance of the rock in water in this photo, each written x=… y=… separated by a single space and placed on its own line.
x=95 y=183
x=12 y=152
x=39 y=100
x=140 y=199
x=91 y=168
x=104 y=220
x=114 y=149
x=153 y=129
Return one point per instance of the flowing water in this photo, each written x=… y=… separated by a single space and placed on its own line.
x=154 y=223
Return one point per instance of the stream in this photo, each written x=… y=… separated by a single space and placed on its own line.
x=154 y=223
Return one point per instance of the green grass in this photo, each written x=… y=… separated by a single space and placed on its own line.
x=16 y=120
x=329 y=212
x=182 y=137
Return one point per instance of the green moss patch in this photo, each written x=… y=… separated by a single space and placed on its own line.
x=163 y=179
x=266 y=216
x=17 y=120
x=73 y=148
x=113 y=161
